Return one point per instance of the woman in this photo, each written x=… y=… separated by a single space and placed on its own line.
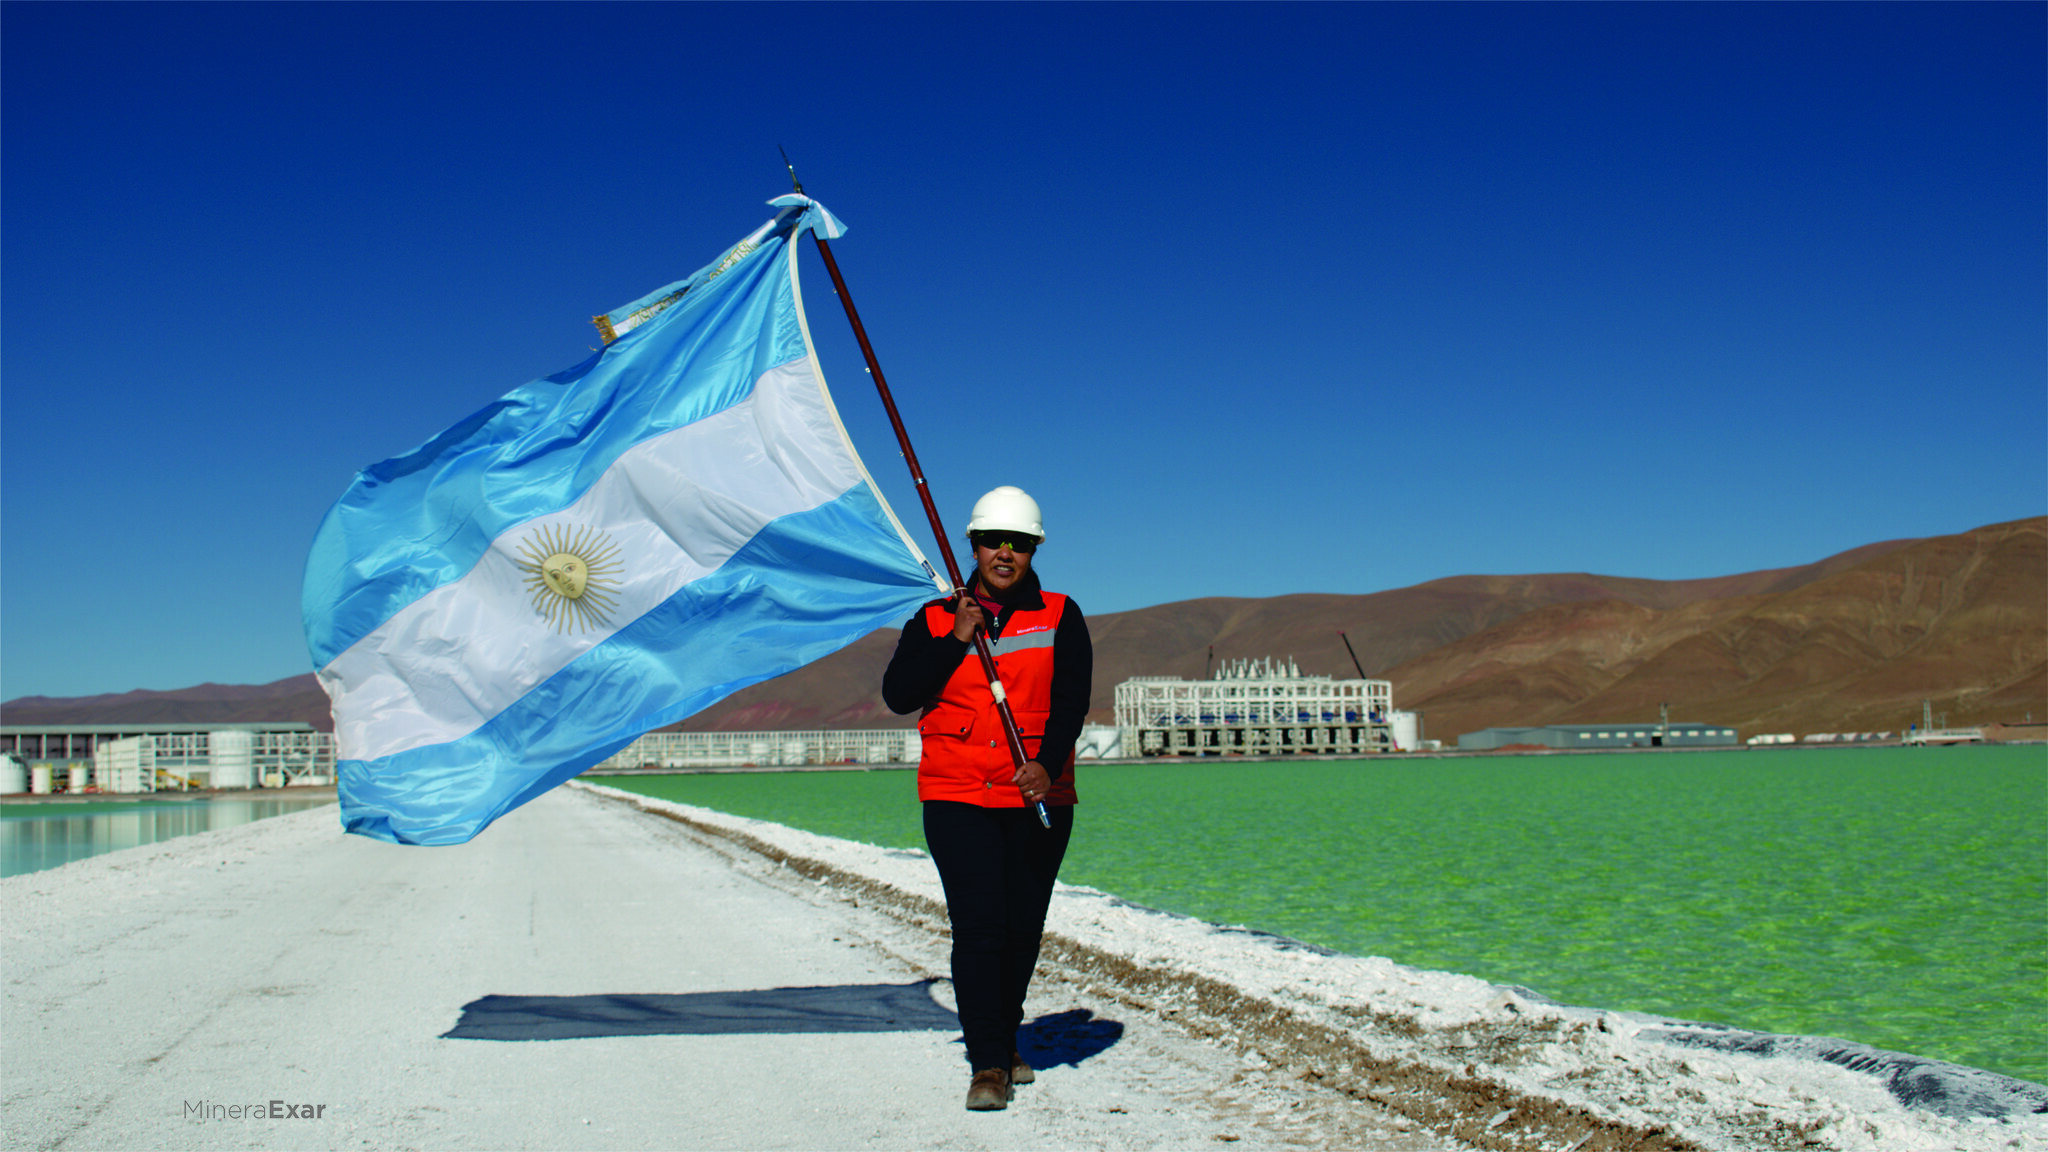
x=995 y=859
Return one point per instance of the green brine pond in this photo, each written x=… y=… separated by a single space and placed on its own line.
x=1892 y=896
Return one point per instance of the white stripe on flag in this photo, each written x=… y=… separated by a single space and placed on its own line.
x=448 y=662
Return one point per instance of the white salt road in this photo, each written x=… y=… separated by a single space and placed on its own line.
x=283 y=961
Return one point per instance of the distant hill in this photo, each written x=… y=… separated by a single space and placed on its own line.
x=1849 y=643
x=1961 y=620
x=294 y=698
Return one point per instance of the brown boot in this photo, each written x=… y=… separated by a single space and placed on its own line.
x=1020 y=1072
x=990 y=1091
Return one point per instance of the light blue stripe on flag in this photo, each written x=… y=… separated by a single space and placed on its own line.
x=600 y=553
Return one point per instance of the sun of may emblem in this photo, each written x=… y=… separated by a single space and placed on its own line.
x=573 y=576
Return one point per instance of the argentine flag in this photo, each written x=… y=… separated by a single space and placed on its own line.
x=601 y=552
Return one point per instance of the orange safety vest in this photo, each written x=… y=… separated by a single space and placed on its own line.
x=965 y=755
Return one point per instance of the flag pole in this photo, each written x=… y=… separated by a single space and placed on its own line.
x=931 y=511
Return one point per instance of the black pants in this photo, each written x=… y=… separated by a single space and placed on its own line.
x=998 y=866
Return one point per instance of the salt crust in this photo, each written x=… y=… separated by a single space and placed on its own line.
x=1620 y=1066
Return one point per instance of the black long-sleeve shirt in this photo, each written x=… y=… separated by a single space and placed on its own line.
x=923 y=663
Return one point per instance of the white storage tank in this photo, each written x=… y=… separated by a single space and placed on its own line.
x=231 y=756
x=1407 y=731
x=39 y=779
x=74 y=781
x=1099 y=742
x=13 y=775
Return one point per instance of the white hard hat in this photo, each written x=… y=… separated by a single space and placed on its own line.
x=1006 y=509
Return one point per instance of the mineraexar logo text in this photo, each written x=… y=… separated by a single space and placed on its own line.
x=204 y=1110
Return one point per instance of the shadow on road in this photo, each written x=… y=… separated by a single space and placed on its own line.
x=838 y=1008
x=1066 y=1038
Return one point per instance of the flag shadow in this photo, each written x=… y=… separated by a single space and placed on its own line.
x=1066 y=1038
x=835 y=1008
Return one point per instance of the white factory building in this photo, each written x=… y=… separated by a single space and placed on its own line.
x=163 y=757
x=796 y=749
x=1260 y=708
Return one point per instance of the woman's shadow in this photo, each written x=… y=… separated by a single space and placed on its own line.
x=1060 y=1038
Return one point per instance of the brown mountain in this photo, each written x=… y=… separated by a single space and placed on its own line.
x=1390 y=629
x=293 y=698
x=1852 y=642
x=1961 y=620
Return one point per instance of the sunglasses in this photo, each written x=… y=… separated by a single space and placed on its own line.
x=996 y=542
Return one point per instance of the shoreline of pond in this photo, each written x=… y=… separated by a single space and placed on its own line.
x=310 y=793
x=1389 y=758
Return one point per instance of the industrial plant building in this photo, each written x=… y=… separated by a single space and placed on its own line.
x=157 y=757
x=1258 y=708
x=879 y=747
x=767 y=749
x=1248 y=708
x=1582 y=737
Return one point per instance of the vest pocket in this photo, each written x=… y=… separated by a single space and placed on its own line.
x=1031 y=724
x=947 y=720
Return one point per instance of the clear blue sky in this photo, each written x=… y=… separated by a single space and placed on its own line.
x=1255 y=299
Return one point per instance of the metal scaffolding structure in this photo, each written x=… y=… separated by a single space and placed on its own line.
x=292 y=758
x=226 y=758
x=1254 y=707
x=768 y=749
